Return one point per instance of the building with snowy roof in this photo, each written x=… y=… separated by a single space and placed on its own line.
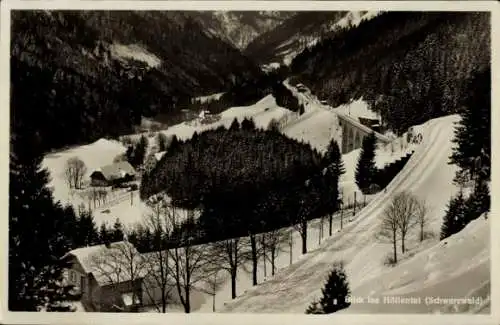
x=118 y=172
x=108 y=277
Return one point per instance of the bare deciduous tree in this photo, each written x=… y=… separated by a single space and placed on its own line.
x=421 y=213
x=389 y=229
x=159 y=222
x=272 y=243
x=403 y=213
x=213 y=282
x=404 y=206
x=189 y=262
x=229 y=255
x=255 y=252
x=183 y=266
x=74 y=171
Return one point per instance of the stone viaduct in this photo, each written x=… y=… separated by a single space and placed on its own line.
x=353 y=133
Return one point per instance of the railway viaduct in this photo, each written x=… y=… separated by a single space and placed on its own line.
x=353 y=133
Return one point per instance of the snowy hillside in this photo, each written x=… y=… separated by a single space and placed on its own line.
x=353 y=18
x=364 y=256
x=124 y=205
x=94 y=155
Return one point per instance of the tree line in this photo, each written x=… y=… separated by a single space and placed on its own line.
x=472 y=155
x=246 y=179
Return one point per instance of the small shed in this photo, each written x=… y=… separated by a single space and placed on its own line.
x=112 y=174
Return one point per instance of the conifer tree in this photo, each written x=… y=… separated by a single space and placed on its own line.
x=472 y=135
x=174 y=145
x=235 y=125
x=130 y=153
x=86 y=233
x=37 y=234
x=140 y=150
x=334 y=157
x=331 y=178
x=248 y=124
x=104 y=234
x=161 y=142
x=117 y=232
x=366 y=169
x=455 y=217
x=479 y=201
x=335 y=292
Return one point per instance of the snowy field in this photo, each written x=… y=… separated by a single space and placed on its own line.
x=94 y=155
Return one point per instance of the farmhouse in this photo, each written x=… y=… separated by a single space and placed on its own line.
x=115 y=173
x=108 y=277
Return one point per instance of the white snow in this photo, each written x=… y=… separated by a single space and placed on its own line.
x=126 y=205
x=261 y=112
x=209 y=98
x=457 y=269
x=356 y=109
x=134 y=51
x=292 y=46
x=270 y=66
x=420 y=271
x=353 y=18
x=94 y=155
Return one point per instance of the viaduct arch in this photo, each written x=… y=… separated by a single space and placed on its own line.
x=353 y=133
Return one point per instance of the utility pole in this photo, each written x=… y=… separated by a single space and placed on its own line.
x=342 y=217
x=354 y=212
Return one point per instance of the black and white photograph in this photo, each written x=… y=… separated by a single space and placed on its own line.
x=273 y=161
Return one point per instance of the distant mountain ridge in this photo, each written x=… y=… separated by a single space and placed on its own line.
x=282 y=43
x=239 y=28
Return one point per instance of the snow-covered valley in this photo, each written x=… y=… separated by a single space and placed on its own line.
x=427 y=175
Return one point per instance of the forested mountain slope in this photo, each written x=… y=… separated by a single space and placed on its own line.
x=83 y=75
x=411 y=66
x=305 y=29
